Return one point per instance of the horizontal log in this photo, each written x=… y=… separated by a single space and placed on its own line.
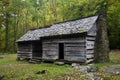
x=45 y=49
x=89 y=56
x=80 y=59
x=50 y=47
x=50 y=57
x=74 y=56
x=70 y=39
x=89 y=51
x=50 y=53
x=65 y=40
x=90 y=60
x=50 y=44
x=74 y=45
x=75 y=53
x=90 y=38
x=19 y=52
x=26 y=50
x=75 y=49
x=24 y=54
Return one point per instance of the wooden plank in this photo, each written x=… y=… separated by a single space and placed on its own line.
x=74 y=54
x=26 y=50
x=90 y=38
x=67 y=42
x=80 y=59
x=90 y=60
x=64 y=40
x=89 y=44
x=67 y=39
x=74 y=49
x=89 y=51
x=74 y=45
x=49 y=44
x=50 y=52
x=50 y=48
x=50 y=57
x=22 y=52
x=89 y=56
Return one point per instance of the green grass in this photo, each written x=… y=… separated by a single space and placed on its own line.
x=21 y=70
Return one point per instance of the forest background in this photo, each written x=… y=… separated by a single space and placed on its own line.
x=18 y=16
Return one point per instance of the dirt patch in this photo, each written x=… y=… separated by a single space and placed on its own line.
x=1 y=57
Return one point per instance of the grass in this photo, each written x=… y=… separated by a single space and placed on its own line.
x=114 y=59
x=20 y=70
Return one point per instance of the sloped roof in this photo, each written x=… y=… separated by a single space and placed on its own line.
x=69 y=27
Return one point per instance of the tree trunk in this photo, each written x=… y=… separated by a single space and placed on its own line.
x=102 y=43
x=54 y=10
x=15 y=32
x=6 y=32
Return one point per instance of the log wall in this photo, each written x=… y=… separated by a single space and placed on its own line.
x=74 y=49
x=24 y=50
x=90 y=43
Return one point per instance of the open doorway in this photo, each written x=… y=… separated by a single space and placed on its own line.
x=61 y=51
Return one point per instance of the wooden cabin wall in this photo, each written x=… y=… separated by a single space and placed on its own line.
x=90 y=43
x=74 y=49
x=24 y=50
x=50 y=50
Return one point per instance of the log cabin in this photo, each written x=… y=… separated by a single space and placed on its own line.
x=72 y=41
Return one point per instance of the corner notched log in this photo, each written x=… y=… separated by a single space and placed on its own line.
x=102 y=43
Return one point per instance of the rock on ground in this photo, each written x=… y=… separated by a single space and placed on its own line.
x=1 y=76
x=114 y=69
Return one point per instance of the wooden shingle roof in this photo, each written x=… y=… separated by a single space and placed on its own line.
x=68 y=27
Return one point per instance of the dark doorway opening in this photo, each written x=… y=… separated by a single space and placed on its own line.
x=61 y=51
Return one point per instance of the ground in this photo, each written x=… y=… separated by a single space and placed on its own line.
x=21 y=70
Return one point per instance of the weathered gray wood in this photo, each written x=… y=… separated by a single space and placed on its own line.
x=89 y=51
x=50 y=51
x=90 y=56
x=23 y=52
x=79 y=59
x=74 y=45
x=74 y=49
x=90 y=38
x=68 y=42
x=72 y=40
x=90 y=44
x=74 y=54
x=90 y=60
x=19 y=54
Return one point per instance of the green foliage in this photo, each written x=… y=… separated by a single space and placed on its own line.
x=27 y=14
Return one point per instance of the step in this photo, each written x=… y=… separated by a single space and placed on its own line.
x=59 y=63
x=33 y=62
